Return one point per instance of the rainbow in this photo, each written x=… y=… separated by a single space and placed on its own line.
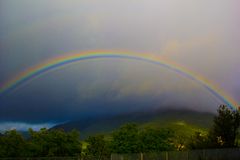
x=60 y=61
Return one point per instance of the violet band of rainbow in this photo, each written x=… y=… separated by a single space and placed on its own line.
x=67 y=59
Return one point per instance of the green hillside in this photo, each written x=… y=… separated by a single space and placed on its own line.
x=182 y=129
x=182 y=122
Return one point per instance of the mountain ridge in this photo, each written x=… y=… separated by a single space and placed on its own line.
x=156 y=118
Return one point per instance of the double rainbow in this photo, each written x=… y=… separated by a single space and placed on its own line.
x=55 y=63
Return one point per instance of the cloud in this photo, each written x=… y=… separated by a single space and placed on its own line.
x=175 y=49
x=82 y=90
x=23 y=126
x=202 y=36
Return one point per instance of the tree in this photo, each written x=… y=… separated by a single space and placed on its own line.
x=40 y=144
x=54 y=143
x=225 y=128
x=126 y=139
x=97 y=147
x=12 y=144
x=155 y=140
x=130 y=139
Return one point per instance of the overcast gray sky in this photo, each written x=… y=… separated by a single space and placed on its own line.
x=202 y=36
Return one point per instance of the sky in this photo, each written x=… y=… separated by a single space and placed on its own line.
x=203 y=36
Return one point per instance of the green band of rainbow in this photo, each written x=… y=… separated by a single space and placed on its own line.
x=60 y=61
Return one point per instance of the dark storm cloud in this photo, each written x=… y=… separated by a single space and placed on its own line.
x=89 y=89
x=202 y=36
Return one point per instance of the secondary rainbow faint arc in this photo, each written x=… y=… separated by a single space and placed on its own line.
x=54 y=63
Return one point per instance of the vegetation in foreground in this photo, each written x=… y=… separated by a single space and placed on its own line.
x=130 y=138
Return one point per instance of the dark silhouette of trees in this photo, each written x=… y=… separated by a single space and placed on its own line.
x=225 y=128
x=223 y=133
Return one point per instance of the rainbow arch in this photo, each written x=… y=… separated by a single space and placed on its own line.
x=57 y=62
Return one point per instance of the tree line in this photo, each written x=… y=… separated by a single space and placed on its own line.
x=129 y=138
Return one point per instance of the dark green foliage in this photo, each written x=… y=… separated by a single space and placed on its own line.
x=126 y=139
x=155 y=140
x=225 y=128
x=54 y=143
x=12 y=144
x=97 y=147
x=40 y=144
x=130 y=139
